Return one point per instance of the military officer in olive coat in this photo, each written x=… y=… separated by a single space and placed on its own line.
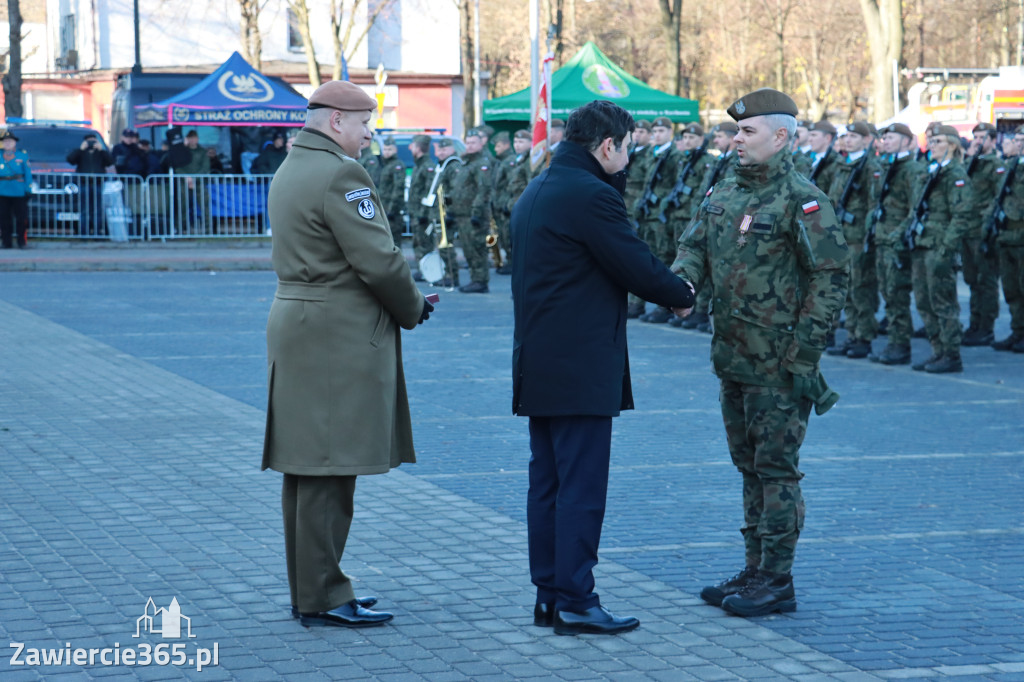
x=337 y=405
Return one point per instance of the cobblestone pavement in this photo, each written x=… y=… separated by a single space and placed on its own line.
x=131 y=422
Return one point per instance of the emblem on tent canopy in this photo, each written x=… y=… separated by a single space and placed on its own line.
x=601 y=80
x=246 y=87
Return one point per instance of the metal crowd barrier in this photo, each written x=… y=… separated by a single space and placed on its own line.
x=131 y=207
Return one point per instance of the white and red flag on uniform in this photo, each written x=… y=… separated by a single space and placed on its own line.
x=539 y=150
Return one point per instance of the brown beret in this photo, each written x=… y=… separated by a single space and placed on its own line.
x=389 y=141
x=502 y=137
x=486 y=131
x=899 y=129
x=931 y=126
x=523 y=135
x=644 y=123
x=824 y=126
x=861 y=128
x=342 y=95
x=694 y=129
x=762 y=102
x=984 y=128
x=557 y=123
x=662 y=122
x=475 y=132
x=946 y=130
x=726 y=127
x=445 y=142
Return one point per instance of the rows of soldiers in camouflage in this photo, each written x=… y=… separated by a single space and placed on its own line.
x=912 y=218
x=479 y=190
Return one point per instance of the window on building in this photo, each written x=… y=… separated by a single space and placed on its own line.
x=294 y=35
x=68 y=57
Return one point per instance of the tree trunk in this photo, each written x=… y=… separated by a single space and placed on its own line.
x=671 y=21
x=12 y=79
x=301 y=11
x=466 y=23
x=780 y=47
x=252 y=41
x=883 y=20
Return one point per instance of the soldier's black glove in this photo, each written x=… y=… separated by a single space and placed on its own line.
x=428 y=308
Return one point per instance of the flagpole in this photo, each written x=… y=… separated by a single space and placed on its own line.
x=534 y=59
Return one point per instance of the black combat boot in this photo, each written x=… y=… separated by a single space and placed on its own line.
x=841 y=348
x=714 y=594
x=694 y=320
x=892 y=355
x=919 y=367
x=1009 y=342
x=766 y=593
x=859 y=349
x=676 y=321
x=658 y=316
x=634 y=310
x=978 y=337
x=948 y=363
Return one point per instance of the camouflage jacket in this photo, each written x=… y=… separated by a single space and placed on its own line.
x=519 y=178
x=419 y=187
x=661 y=176
x=896 y=191
x=391 y=188
x=682 y=200
x=948 y=216
x=984 y=185
x=713 y=176
x=861 y=199
x=1012 y=233
x=775 y=255
x=639 y=163
x=368 y=160
x=504 y=165
x=821 y=174
x=447 y=173
x=802 y=163
x=468 y=188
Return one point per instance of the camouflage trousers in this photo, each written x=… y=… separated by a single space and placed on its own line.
x=422 y=243
x=862 y=296
x=895 y=271
x=764 y=428
x=935 y=294
x=503 y=223
x=981 y=272
x=1011 y=269
x=472 y=239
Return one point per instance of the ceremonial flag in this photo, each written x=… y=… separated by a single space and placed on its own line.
x=538 y=153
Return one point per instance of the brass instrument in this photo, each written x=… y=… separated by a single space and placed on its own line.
x=492 y=243
x=444 y=243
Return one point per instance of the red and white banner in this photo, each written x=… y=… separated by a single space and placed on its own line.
x=538 y=153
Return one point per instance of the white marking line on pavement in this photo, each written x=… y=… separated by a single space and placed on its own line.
x=882 y=537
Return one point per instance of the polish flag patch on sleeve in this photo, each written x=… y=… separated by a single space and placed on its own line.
x=810 y=207
x=959 y=183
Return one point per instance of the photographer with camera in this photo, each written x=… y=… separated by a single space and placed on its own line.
x=89 y=160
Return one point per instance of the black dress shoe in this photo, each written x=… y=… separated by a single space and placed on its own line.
x=365 y=602
x=350 y=615
x=766 y=593
x=475 y=288
x=544 y=615
x=714 y=594
x=594 y=621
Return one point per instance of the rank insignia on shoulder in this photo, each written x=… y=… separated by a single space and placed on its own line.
x=361 y=193
x=959 y=183
x=810 y=207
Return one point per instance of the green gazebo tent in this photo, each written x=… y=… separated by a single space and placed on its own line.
x=589 y=76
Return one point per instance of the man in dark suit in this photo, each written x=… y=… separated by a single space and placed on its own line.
x=579 y=259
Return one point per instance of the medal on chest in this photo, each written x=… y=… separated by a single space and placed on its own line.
x=744 y=228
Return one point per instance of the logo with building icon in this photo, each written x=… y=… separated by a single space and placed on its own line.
x=163 y=622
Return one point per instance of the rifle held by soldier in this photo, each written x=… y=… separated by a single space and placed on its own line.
x=996 y=220
x=681 y=188
x=920 y=215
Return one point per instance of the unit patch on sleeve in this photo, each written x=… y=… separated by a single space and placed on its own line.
x=366 y=209
x=361 y=193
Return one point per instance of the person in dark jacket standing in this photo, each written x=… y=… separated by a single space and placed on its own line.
x=576 y=258
x=92 y=159
x=271 y=156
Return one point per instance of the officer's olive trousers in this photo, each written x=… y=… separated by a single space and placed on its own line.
x=981 y=273
x=1011 y=269
x=935 y=295
x=317 y=516
x=764 y=428
x=895 y=271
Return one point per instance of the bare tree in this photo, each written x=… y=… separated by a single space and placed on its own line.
x=883 y=20
x=671 y=20
x=12 y=79
x=301 y=11
x=249 y=32
x=343 y=28
x=466 y=31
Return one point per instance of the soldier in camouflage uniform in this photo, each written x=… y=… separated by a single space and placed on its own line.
x=802 y=148
x=504 y=165
x=1011 y=242
x=855 y=177
x=901 y=175
x=771 y=246
x=369 y=161
x=419 y=187
x=391 y=189
x=446 y=176
x=640 y=158
x=821 y=137
x=521 y=174
x=723 y=136
x=661 y=176
x=947 y=191
x=470 y=211
x=981 y=267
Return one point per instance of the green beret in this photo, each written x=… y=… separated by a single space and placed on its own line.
x=804 y=123
x=662 y=122
x=694 y=129
x=644 y=123
x=899 y=129
x=474 y=132
x=861 y=128
x=502 y=137
x=523 y=135
x=824 y=126
x=389 y=141
x=486 y=130
x=557 y=123
x=445 y=142
x=762 y=102
x=946 y=130
x=985 y=128
x=930 y=127
x=726 y=127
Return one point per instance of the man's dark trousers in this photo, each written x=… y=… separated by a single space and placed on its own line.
x=565 y=506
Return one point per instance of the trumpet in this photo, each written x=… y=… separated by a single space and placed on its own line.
x=444 y=243
x=491 y=240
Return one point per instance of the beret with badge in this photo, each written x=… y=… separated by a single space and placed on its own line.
x=824 y=126
x=662 y=122
x=341 y=95
x=862 y=128
x=762 y=102
x=523 y=135
x=644 y=123
x=727 y=127
x=694 y=129
x=899 y=129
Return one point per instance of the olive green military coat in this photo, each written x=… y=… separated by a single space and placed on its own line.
x=337 y=402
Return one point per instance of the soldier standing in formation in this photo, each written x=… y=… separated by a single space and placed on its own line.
x=900 y=173
x=852 y=194
x=392 y=187
x=821 y=137
x=769 y=243
x=501 y=209
x=661 y=176
x=419 y=187
x=470 y=210
x=981 y=264
x=369 y=161
x=1011 y=242
x=449 y=167
x=945 y=202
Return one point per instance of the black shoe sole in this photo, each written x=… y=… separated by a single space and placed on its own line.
x=583 y=629
x=712 y=598
x=787 y=606
x=314 y=621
